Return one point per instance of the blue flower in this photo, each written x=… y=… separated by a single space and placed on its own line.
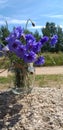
x=20 y=51
x=28 y=52
x=18 y=32
x=11 y=38
x=15 y=34
x=29 y=37
x=44 y=40
x=29 y=57
x=40 y=60
x=33 y=46
x=14 y=45
x=1 y=46
x=29 y=45
x=54 y=40
x=37 y=47
x=5 y=48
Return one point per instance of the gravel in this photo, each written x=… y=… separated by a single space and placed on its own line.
x=42 y=109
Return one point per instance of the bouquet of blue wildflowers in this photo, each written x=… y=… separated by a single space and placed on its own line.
x=29 y=50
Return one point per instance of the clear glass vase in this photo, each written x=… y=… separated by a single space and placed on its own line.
x=22 y=78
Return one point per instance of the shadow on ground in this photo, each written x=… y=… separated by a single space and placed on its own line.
x=9 y=109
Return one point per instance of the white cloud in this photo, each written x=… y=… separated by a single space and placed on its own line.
x=11 y=20
x=61 y=26
x=36 y=27
x=56 y=16
x=2 y=22
x=16 y=21
x=52 y=15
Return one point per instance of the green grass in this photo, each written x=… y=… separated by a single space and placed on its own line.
x=40 y=80
x=4 y=62
x=53 y=59
x=49 y=80
x=5 y=80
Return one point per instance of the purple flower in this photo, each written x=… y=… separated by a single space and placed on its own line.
x=33 y=46
x=11 y=38
x=6 y=48
x=15 y=34
x=29 y=45
x=29 y=37
x=20 y=51
x=29 y=49
x=1 y=46
x=56 y=36
x=54 y=40
x=29 y=57
x=44 y=39
x=37 y=47
x=40 y=60
x=18 y=32
x=14 y=45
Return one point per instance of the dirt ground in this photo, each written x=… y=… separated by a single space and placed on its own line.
x=42 y=109
x=49 y=70
x=40 y=71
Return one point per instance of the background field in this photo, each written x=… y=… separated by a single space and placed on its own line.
x=40 y=81
x=51 y=59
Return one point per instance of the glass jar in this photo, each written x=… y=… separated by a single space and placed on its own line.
x=22 y=78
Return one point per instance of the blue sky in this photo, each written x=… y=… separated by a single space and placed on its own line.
x=17 y=12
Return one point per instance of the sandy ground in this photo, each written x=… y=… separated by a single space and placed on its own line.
x=40 y=70
x=3 y=73
x=49 y=70
x=42 y=109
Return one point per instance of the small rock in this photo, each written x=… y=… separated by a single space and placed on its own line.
x=46 y=119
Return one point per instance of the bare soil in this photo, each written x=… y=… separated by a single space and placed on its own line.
x=40 y=70
x=49 y=70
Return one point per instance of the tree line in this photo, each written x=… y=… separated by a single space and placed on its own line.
x=49 y=30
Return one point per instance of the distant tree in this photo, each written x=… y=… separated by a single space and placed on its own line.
x=50 y=29
x=37 y=35
x=26 y=31
x=59 y=45
x=4 y=32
